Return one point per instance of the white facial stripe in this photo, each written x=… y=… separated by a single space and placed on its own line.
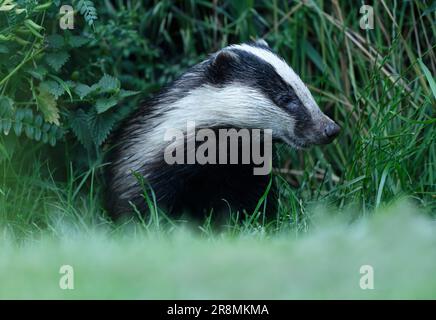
x=285 y=71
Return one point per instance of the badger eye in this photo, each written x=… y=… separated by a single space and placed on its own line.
x=292 y=106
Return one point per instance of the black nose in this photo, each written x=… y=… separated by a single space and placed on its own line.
x=331 y=131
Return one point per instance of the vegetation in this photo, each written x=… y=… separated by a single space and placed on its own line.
x=62 y=92
x=325 y=264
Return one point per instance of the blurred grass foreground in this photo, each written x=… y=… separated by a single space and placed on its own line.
x=398 y=243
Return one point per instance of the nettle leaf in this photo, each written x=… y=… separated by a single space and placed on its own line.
x=6 y=106
x=46 y=103
x=104 y=104
x=53 y=87
x=109 y=84
x=82 y=90
x=101 y=126
x=90 y=127
x=64 y=85
x=95 y=87
x=127 y=93
x=38 y=72
x=70 y=83
x=57 y=59
x=55 y=41
x=77 y=41
x=79 y=123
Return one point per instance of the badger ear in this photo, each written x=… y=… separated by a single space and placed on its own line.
x=221 y=65
x=262 y=43
x=223 y=59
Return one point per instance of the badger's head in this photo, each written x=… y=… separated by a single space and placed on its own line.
x=259 y=89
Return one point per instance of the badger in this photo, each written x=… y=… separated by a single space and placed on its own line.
x=240 y=86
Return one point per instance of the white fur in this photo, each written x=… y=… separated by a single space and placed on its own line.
x=285 y=71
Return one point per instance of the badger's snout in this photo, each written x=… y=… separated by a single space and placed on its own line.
x=328 y=132
x=331 y=131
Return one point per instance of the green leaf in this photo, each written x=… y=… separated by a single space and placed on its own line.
x=64 y=84
x=37 y=134
x=38 y=121
x=27 y=115
x=315 y=56
x=46 y=127
x=28 y=129
x=77 y=41
x=55 y=41
x=19 y=114
x=430 y=9
x=6 y=106
x=101 y=126
x=82 y=90
x=6 y=125
x=52 y=141
x=18 y=127
x=57 y=60
x=381 y=185
x=127 y=93
x=53 y=87
x=108 y=84
x=79 y=124
x=104 y=104
x=91 y=127
x=429 y=77
x=87 y=9
x=47 y=105
x=38 y=73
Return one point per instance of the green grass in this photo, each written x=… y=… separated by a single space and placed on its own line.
x=377 y=84
x=397 y=242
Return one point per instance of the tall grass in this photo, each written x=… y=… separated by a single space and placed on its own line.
x=377 y=84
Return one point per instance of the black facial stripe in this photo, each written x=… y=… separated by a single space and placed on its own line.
x=251 y=70
x=303 y=121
